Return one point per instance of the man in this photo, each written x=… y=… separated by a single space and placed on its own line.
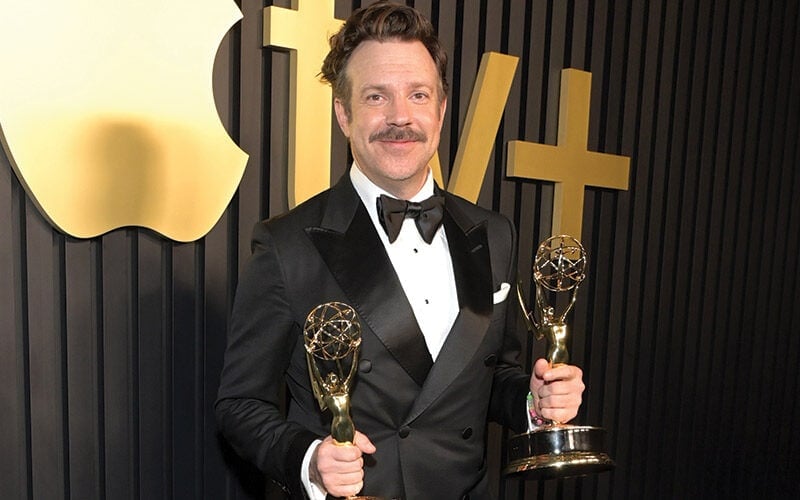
x=439 y=352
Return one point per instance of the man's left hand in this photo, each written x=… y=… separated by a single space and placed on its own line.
x=557 y=390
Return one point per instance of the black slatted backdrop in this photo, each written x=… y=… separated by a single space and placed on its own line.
x=688 y=328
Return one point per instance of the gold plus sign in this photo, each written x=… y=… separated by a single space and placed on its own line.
x=305 y=28
x=569 y=164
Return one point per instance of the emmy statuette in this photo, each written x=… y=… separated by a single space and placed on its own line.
x=552 y=449
x=332 y=336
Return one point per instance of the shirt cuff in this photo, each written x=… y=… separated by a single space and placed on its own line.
x=313 y=491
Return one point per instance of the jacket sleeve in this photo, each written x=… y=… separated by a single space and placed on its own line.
x=510 y=384
x=261 y=338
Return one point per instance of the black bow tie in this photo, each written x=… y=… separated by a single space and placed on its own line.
x=427 y=215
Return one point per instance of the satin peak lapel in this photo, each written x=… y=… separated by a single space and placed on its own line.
x=469 y=249
x=353 y=252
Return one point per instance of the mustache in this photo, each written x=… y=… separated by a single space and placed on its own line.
x=398 y=134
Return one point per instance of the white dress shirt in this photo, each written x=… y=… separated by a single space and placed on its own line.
x=425 y=273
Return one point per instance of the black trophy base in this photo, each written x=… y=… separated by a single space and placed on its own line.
x=558 y=451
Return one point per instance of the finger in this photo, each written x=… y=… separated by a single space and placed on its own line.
x=345 y=490
x=561 y=401
x=330 y=452
x=344 y=485
x=562 y=372
x=346 y=480
x=562 y=389
x=559 y=415
x=560 y=407
x=334 y=468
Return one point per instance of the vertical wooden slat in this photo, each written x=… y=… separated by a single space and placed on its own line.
x=677 y=269
x=693 y=328
x=199 y=372
x=767 y=286
x=217 y=300
x=784 y=439
x=184 y=419
x=82 y=369
x=221 y=268
x=464 y=67
x=504 y=188
x=15 y=461
x=751 y=244
x=119 y=400
x=740 y=208
x=46 y=358
x=167 y=328
x=151 y=376
x=627 y=429
x=98 y=332
x=724 y=197
x=252 y=127
x=340 y=148
x=713 y=159
x=618 y=286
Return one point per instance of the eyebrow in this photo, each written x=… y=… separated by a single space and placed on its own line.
x=380 y=87
x=373 y=87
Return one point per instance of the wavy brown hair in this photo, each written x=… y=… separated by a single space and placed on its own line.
x=380 y=21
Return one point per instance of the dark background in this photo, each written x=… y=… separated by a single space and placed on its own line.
x=688 y=327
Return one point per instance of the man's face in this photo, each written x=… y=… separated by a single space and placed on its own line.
x=396 y=113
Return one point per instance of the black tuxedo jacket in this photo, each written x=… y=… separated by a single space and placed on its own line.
x=427 y=420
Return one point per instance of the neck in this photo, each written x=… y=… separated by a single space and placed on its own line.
x=405 y=189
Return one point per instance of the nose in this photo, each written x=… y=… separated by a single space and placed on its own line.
x=398 y=113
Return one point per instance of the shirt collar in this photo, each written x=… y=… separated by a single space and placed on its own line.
x=369 y=192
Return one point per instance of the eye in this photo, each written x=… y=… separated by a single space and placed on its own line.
x=374 y=99
x=419 y=97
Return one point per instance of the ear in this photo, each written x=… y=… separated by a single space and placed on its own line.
x=442 y=109
x=341 y=117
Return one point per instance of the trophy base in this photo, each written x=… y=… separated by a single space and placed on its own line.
x=558 y=451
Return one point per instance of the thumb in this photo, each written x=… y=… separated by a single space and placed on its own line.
x=363 y=443
x=540 y=367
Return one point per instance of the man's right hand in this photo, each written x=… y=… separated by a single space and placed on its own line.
x=338 y=468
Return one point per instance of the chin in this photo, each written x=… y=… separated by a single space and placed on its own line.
x=404 y=175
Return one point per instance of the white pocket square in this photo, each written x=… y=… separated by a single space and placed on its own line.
x=501 y=294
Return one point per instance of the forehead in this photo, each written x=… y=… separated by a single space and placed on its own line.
x=393 y=62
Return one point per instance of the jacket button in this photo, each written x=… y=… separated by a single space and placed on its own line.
x=365 y=366
x=404 y=432
x=467 y=433
x=490 y=360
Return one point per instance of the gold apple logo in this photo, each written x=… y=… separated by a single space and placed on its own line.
x=107 y=113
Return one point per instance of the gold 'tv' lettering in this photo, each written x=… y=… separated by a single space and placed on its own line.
x=569 y=164
x=486 y=106
x=305 y=31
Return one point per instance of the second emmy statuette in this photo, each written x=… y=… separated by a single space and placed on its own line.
x=551 y=449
